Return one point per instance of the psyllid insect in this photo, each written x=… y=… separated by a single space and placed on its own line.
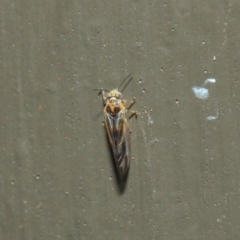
x=116 y=123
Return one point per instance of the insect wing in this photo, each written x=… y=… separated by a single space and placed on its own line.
x=118 y=135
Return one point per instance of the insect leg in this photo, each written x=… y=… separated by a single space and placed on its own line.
x=101 y=91
x=130 y=116
x=131 y=103
x=133 y=113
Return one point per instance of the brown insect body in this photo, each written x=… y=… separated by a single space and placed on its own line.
x=116 y=122
x=118 y=133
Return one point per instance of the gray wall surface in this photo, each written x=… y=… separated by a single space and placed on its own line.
x=57 y=178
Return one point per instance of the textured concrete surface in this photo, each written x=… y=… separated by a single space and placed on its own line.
x=57 y=179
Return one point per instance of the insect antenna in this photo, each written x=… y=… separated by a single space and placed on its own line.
x=100 y=90
x=124 y=82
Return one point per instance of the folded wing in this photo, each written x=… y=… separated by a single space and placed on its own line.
x=118 y=135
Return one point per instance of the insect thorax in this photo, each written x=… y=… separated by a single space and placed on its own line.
x=113 y=106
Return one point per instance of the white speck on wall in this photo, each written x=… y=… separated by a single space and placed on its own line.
x=209 y=80
x=210 y=118
x=150 y=121
x=200 y=92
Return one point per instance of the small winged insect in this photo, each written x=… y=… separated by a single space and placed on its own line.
x=116 y=122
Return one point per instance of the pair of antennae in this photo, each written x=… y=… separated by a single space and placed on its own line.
x=125 y=81
x=129 y=76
